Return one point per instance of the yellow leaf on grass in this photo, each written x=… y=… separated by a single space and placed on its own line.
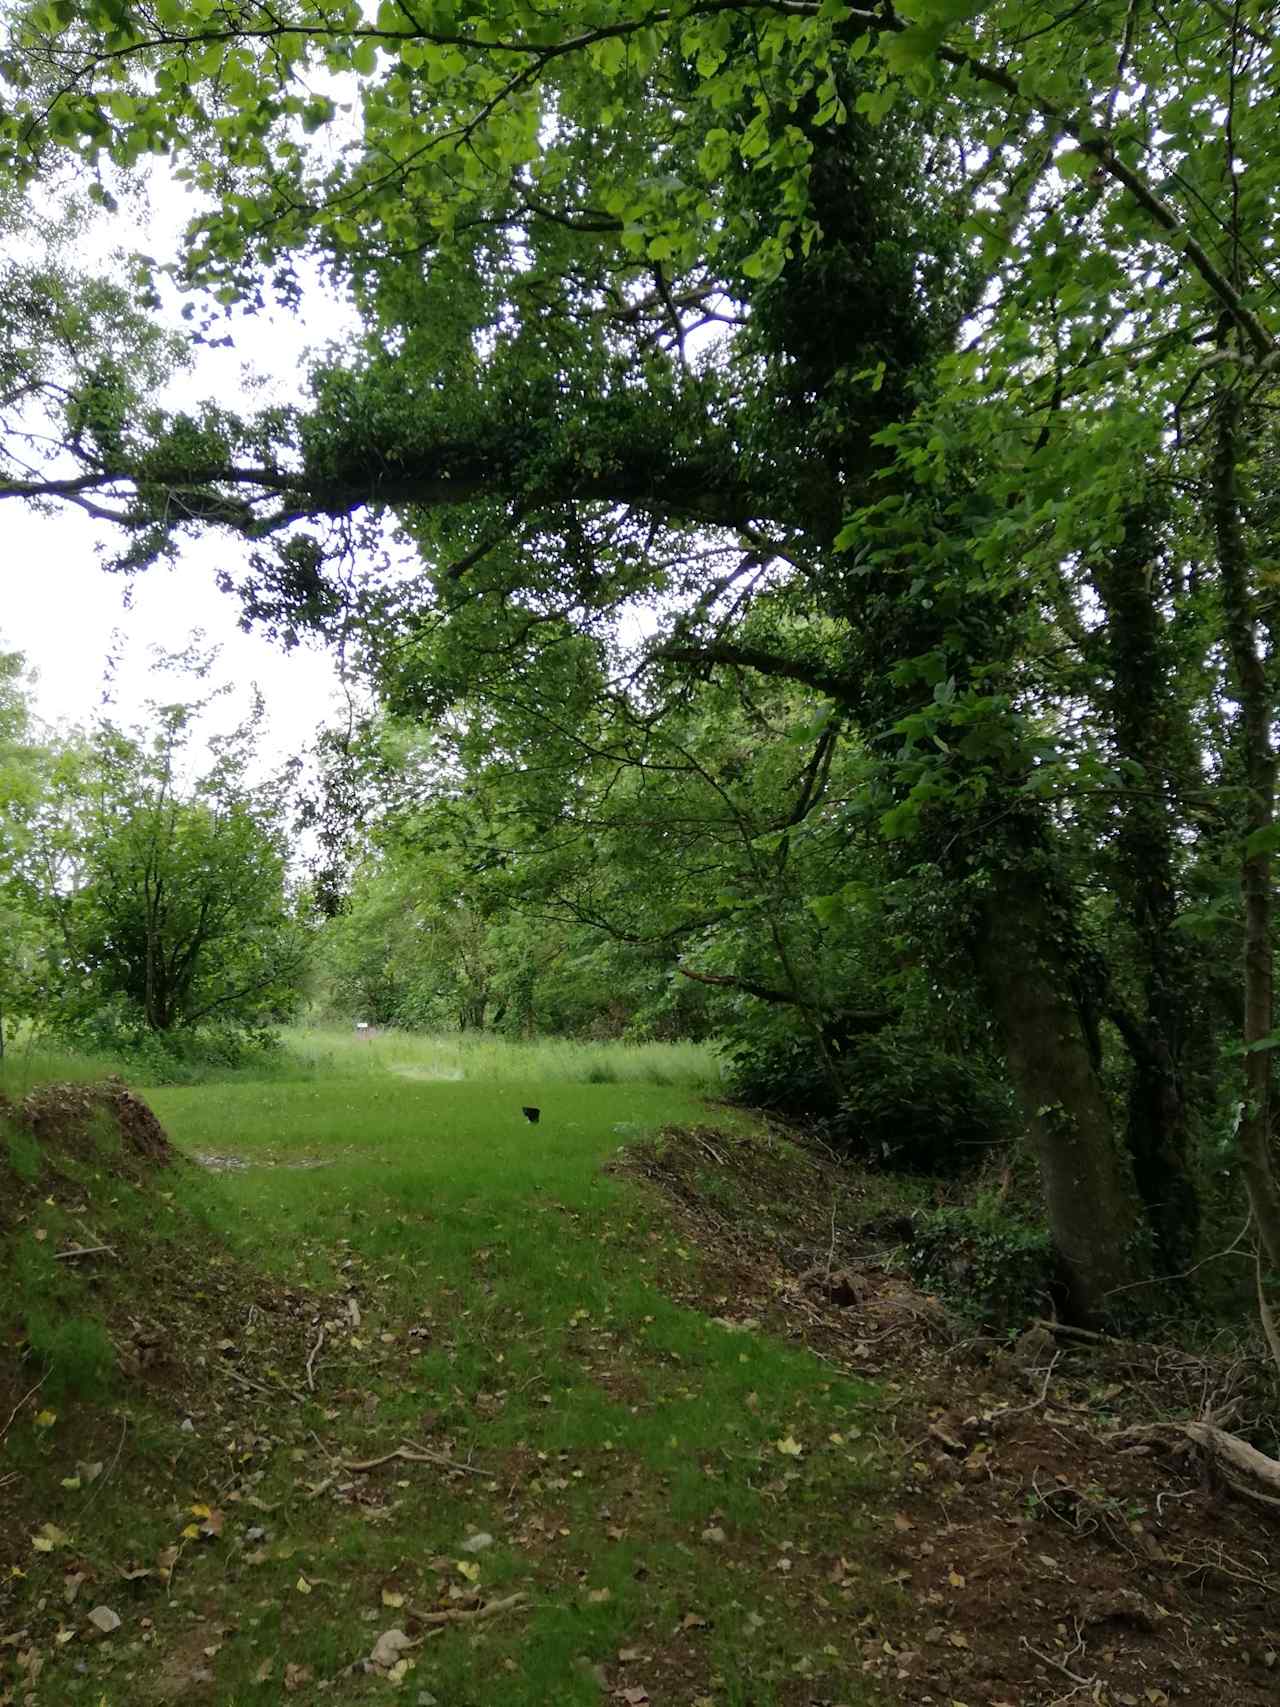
x=468 y=1570
x=303 y=1586
x=789 y=1446
x=46 y=1419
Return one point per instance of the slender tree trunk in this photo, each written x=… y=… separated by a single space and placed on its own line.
x=1027 y=979
x=1146 y=728
x=1258 y=753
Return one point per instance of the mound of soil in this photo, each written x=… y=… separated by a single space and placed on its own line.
x=93 y=1124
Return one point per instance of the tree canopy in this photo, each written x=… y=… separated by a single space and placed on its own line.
x=916 y=360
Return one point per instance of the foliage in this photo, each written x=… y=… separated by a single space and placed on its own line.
x=168 y=897
x=998 y=544
x=908 y=1105
x=987 y=1260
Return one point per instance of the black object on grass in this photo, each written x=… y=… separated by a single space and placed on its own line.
x=531 y=1114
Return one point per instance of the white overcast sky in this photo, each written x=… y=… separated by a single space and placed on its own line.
x=67 y=615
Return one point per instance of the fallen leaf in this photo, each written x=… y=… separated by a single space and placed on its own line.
x=390 y=1598
x=714 y=1533
x=104 y=1619
x=297 y=1677
x=693 y=1621
x=477 y=1543
x=599 y=1595
x=466 y=1569
x=389 y=1648
x=634 y=1697
x=263 y=1673
x=46 y=1419
x=303 y=1586
x=789 y=1446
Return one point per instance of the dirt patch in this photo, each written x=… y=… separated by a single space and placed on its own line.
x=1053 y=1534
x=238 y=1165
x=81 y=1123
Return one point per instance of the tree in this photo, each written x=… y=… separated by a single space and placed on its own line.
x=1061 y=303
x=24 y=767
x=173 y=910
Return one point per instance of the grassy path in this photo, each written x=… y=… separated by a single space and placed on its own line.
x=668 y=1498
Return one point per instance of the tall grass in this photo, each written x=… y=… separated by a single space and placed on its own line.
x=28 y=1062
x=313 y=1054
x=498 y=1061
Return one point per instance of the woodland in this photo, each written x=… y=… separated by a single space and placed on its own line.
x=793 y=487
x=800 y=497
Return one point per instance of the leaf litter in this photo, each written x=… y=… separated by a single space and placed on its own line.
x=1018 y=1535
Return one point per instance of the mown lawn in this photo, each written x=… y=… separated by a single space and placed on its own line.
x=673 y=1497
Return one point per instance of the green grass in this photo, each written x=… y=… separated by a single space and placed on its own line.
x=312 y=1053
x=516 y=1313
x=476 y=1057
x=28 y=1063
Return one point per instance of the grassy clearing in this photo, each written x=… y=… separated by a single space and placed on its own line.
x=656 y=1484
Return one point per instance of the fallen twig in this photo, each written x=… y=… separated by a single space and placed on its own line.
x=97 y=1486
x=29 y=1394
x=411 y=1455
x=1057 y=1665
x=512 y=1603
x=1065 y=1330
x=311 y=1359
x=83 y=1251
x=263 y=1386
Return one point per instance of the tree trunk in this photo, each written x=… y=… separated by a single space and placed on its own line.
x=1254 y=733
x=1027 y=978
x=1147 y=728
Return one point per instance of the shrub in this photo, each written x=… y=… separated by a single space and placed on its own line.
x=775 y=1066
x=181 y=1056
x=913 y=1107
x=987 y=1260
x=901 y=1102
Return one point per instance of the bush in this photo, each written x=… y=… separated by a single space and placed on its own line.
x=182 y=1056
x=901 y=1102
x=914 y=1108
x=987 y=1260
x=774 y=1066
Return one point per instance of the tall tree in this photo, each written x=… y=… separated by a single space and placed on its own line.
x=1062 y=297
